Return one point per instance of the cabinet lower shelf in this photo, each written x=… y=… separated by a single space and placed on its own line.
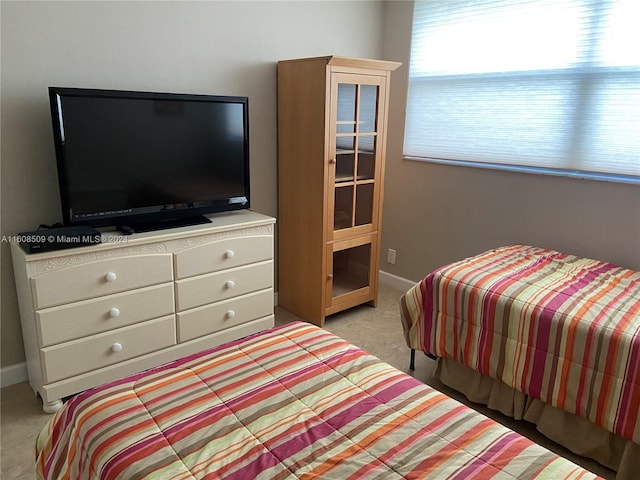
x=349 y=282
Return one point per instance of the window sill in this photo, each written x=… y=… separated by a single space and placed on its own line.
x=604 y=177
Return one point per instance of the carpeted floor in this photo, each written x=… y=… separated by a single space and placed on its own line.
x=376 y=330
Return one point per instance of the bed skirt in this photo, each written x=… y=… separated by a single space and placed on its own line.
x=574 y=433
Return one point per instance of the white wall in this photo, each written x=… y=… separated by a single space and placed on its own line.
x=436 y=214
x=227 y=48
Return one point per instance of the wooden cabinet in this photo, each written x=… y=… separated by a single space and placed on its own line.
x=332 y=118
x=94 y=314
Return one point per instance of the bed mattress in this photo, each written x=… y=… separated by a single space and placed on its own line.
x=559 y=328
x=293 y=402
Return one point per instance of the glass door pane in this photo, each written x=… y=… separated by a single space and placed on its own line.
x=368 y=111
x=343 y=208
x=367 y=130
x=351 y=268
x=364 y=204
x=366 y=157
x=345 y=158
x=346 y=121
x=346 y=148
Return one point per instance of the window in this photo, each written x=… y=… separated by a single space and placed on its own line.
x=552 y=85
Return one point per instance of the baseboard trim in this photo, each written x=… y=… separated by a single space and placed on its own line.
x=396 y=282
x=13 y=374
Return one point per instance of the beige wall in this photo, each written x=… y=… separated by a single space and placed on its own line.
x=435 y=214
x=227 y=48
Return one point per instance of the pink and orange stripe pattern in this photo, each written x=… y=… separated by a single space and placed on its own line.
x=557 y=327
x=294 y=402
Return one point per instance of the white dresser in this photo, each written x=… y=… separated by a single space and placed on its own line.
x=94 y=314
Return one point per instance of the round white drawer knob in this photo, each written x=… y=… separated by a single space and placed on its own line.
x=110 y=277
x=114 y=312
x=229 y=254
x=116 y=347
x=231 y=314
x=229 y=284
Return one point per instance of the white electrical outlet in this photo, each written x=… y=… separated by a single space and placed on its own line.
x=391 y=256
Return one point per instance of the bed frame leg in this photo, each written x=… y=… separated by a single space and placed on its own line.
x=412 y=363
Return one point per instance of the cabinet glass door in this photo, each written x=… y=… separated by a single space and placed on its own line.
x=351 y=264
x=351 y=268
x=356 y=157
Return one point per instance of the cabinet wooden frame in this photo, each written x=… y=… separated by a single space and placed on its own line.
x=307 y=183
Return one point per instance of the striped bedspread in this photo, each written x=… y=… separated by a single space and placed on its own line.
x=560 y=328
x=291 y=402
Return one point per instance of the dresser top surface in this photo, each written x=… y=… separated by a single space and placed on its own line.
x=223 y=222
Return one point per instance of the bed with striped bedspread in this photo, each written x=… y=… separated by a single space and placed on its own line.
x=291 y=402
x=560 y=328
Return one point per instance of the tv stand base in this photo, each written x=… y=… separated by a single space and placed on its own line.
x=162 y=224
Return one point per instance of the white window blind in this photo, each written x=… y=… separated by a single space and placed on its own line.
x=535 y=83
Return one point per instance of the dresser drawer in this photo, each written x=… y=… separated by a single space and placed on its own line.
x=222 y=254
x=86 y=354
x=202 y=321
x=197 y=291
x=88 y=317
x=101 y=277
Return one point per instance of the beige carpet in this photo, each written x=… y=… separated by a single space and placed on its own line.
x=376 y=330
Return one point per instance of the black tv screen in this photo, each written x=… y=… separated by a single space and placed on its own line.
x=139 y=159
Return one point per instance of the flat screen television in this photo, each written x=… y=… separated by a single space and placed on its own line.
x=144 y=161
